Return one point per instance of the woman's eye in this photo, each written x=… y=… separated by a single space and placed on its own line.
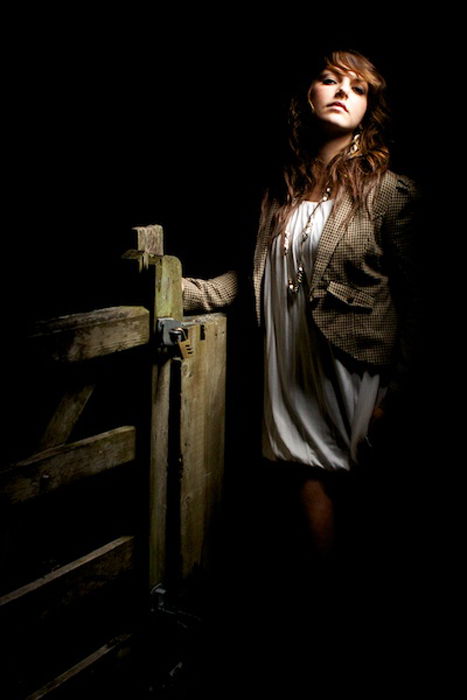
x=360 y=90
x=327 y=81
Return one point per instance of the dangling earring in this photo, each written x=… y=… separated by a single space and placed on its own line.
x=355 y=143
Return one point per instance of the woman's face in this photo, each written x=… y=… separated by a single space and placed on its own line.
x=348 y=89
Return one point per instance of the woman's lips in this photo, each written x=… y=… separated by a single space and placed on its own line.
x=338 y=105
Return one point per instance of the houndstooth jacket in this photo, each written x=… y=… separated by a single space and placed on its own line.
x=362 y=274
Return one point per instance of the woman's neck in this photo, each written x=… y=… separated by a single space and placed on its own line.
x=332 y=146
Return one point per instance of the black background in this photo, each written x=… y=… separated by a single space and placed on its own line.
x=174 y=119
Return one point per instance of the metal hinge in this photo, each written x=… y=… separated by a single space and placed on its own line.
x=172 y=338
x=163 y=604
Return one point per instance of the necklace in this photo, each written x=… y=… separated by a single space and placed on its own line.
x=294 y=286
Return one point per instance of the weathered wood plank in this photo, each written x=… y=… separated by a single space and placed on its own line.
x=150 y=239
x=150 y=242
x=59 y=466
x=69 y=409
x=202 y=422
x=72 y=581
x=113 y=650
x=168 y=299
x=158 y=473
x=144 y=260
x=167 y=302
x=166 y=295
x=82 y=336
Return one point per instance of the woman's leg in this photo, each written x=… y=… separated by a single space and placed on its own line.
x=319 y=520
x=318 y=511
x=320 y=552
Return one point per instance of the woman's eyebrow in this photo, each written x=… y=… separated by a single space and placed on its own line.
x=336 y=71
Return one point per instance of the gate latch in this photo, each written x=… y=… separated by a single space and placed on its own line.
x=172 y=338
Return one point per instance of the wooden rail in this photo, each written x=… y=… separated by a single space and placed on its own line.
x=79 y=337
x=59 y=466
x=112 y=651
x=62 y=354
x=173 y=448
x=70 y=582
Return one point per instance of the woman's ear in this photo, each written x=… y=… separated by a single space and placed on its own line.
x=309 y=100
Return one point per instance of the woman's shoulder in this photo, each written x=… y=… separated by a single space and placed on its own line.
x=394 y=188
x=398 y=181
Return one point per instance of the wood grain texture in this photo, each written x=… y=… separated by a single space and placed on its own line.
x=110 y=652
x=202 y=423
x=150 y=239
x=83 y=336
x=166 y=302
x=65 y=416
x=60 y=466
x=158 y=473
x=168 y=293
x=71 y=582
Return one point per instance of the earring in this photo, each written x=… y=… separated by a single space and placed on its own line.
x=355 y=143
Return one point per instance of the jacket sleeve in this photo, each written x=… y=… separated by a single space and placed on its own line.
x=209 y=295
x=400 y=239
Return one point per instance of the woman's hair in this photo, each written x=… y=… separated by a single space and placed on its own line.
x=355 y=172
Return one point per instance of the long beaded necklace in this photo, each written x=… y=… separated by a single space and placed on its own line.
x=294 y=286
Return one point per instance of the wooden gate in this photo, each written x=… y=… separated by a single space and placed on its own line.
x=112 y=485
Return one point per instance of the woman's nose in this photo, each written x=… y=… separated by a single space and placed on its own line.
x=341 y=90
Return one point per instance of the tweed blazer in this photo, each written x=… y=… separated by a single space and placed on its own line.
x=361 y=281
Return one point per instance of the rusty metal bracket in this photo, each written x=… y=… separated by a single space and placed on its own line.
x=171 y=338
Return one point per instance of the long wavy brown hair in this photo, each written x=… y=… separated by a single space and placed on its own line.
x=354 y=172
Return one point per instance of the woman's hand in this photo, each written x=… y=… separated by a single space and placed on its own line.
x=366 y=447
x=376 y=417
x=376 y=426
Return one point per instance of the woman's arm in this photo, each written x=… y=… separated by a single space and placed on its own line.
x=209 y=295
x=400 y=239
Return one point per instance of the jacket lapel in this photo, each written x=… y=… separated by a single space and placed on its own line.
x=332 y=233
x=330 y=237
x=261 y=252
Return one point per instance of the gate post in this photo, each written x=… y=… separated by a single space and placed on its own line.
x=187 y=427
x=163 y=286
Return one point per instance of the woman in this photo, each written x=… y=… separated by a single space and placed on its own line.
x=332 y=282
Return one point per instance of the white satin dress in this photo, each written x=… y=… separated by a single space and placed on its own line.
x=316 y=409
